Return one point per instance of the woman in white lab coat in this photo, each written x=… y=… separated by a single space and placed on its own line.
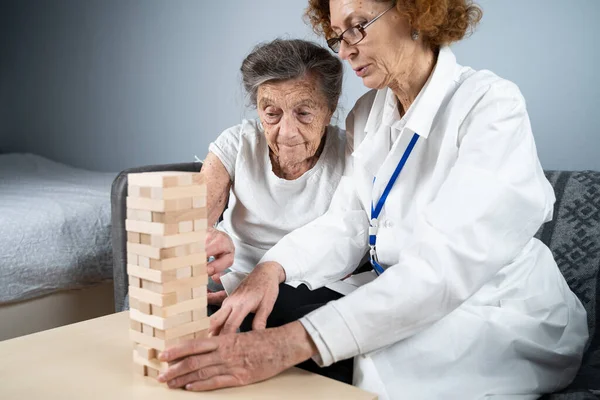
x=444 y=191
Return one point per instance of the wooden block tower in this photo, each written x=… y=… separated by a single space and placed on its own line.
x=166 y=262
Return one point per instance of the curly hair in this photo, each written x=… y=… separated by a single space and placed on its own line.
x=440 y=22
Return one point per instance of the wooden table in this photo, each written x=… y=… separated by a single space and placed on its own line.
x=92 y=360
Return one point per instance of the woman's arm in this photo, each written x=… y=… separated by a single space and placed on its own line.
x=218 y=183
x=492 y=202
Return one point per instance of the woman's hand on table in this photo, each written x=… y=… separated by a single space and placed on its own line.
x=256 y=294
x=236 y=359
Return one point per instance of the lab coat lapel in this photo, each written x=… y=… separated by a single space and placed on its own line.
x=419 y=119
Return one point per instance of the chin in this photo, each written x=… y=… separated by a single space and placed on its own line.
x=373 y=82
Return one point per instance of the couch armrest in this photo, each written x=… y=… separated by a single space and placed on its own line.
x=119 y=210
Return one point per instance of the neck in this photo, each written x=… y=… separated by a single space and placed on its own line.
x=291 y=171
x=408 y=86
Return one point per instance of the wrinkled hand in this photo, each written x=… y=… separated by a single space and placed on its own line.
x=257 y=293
x=236 y=359
x=216 y=298
x=220 y=246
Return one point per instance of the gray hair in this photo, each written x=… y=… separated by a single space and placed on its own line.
x=284 y=59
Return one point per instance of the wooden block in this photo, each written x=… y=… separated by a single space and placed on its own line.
x=201 y=335
x=145 y=239
x=139 y=369
x=135 y=281
x=133 y=237
x=186 y=226
x=200 y=225
x=156 y=299
x=159 y=254
x=176 y=285
x=140 y=203
x=144 y=307
x=183 y=250
x=159 y=322
x=178 y=192
x=173 y=217
x=185 y=272
x=182 y=330
x=162 y=179
x=199 y=314
x=152 y=363
x=151 y=341
x=178 y=262
x=152 y=275
x=146 y=329
x=145 y=352
x=178 y=240
x=132 y=259
x=143 y=262
x=151 y=228
x=198 y=292
x=152 y=373
x=139 y=191
x=199 y=269
x=139 y=215
x=184 y=294
x=135 y=325
x=159 y=276
x=199 y=202
x=143 y=250
x=180 y=307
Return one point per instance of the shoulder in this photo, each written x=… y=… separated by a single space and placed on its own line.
x=336 y=140
x=364 y=104
x=481 y=89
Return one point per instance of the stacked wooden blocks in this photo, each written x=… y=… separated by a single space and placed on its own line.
x=166 y=262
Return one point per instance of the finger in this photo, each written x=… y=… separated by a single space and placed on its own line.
x=216 y=382
x=234 y=321
x=189 y=365
x=217 y=320
x=216 y=297
x=261 y=316
x=198 y=375
x=221 y=262
x=191 y=347
x=218 y=244
x=216 y=278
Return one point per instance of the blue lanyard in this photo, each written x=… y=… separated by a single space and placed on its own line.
x=375 y=211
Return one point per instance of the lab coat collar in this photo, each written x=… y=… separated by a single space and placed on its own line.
x=421 y=113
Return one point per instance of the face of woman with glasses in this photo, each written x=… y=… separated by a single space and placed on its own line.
x=384 y=54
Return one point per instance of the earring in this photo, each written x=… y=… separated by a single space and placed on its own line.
x=415 y=35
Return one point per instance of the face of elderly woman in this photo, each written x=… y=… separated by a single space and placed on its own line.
x=386 y=52
x=294 y=115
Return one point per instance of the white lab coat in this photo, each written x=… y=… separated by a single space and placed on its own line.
x=471 y=305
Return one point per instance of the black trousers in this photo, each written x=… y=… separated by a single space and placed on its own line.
x=291 y=305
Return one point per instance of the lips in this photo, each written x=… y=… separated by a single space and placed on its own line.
x=361 y=71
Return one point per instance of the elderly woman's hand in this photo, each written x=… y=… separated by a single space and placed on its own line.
x=236 y=359
x=257 y=293
x=220 y=246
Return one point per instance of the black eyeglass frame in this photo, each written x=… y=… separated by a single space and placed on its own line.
x=335 y=42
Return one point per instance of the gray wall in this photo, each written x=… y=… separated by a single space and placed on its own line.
x=110 y=84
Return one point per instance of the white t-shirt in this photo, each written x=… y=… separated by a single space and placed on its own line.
x=263 y=208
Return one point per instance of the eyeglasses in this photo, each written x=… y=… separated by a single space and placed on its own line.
x=352 y=35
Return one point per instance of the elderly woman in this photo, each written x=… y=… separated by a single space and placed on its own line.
x=444 y=191
x=279 y=172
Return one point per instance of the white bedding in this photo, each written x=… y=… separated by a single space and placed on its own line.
x=54 y=227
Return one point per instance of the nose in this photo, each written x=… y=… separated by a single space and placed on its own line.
x=346 y=51
x=287 y=126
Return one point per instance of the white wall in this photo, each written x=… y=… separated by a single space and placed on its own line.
x=110 y=84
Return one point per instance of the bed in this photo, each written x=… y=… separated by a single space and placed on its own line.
x=55 y=244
